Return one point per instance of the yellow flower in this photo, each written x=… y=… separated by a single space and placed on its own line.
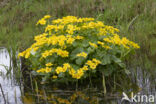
x=102 y=31
x=79 y=73
x=40 y=70
x=44 y=70
x=79 y=37
x=49 y=64
x=62 y=69
x=59 y=70
x=59 y=52
x=134 y=45
x=93 y=44
x=107 y=40
x=96 y=61
x=66 y=65
x=46 y=16
x=62 y=53
x=41 y=22
x=71 y=29
x=72 y=71
x=47 y=70
x=70 y=40
x=22 y=54
x=54 y=76
x=83 y=54
x=85 y=67
x=93 y=64
x=27 y=54
x=101 y=43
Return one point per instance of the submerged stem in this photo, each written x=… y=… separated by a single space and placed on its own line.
x=90 y=80
x=77 y=85
x=104 y=84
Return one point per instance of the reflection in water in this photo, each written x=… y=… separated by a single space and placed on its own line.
x=68 y=97
x=9 y=87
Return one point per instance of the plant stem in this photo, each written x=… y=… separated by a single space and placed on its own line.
x=114 y=83
x=90 y=80
x=104 y=84
x=77 y=85
x=3 y=94
x=36 y=89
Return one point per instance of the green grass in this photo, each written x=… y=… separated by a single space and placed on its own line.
x=136 y=20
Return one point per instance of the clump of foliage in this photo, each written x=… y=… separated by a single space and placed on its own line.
x=71 y=48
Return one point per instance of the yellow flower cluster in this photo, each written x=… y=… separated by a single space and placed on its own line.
x=103 y=45
x=83 y=54
x=49 y=64
x=124 y=41
x=43 y=20
x=44 y=70
x=62 y=40
x=59 y=52
x=72 y=28
x=75 y=74
x=40 y=41
x=62 y=36
x=25 y=53
x=52 y=40
x=54 y=27
x=92 y=25
x=93 y=44
x=93 y=63
x=71 y=19
x=79 y=73
x=62 y=69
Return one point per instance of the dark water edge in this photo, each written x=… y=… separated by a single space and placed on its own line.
x=15 y=91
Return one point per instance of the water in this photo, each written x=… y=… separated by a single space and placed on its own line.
x=11 y=91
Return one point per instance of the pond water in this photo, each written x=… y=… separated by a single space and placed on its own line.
x=11 y=92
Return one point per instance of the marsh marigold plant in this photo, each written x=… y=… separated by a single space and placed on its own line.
x=72 y=47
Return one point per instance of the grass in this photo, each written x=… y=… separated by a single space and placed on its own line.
x=134 y=18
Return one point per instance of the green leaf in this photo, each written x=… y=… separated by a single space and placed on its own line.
x=122 y=65
x=85 y=43
x=106 y=60
x=107 y=70
x=90 y=50
x=61 y=75
x=75 y=44
x=116 y=60
x=75 y=52
x=80 y=61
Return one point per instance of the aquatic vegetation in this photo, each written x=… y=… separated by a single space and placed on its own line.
x=71 y=47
